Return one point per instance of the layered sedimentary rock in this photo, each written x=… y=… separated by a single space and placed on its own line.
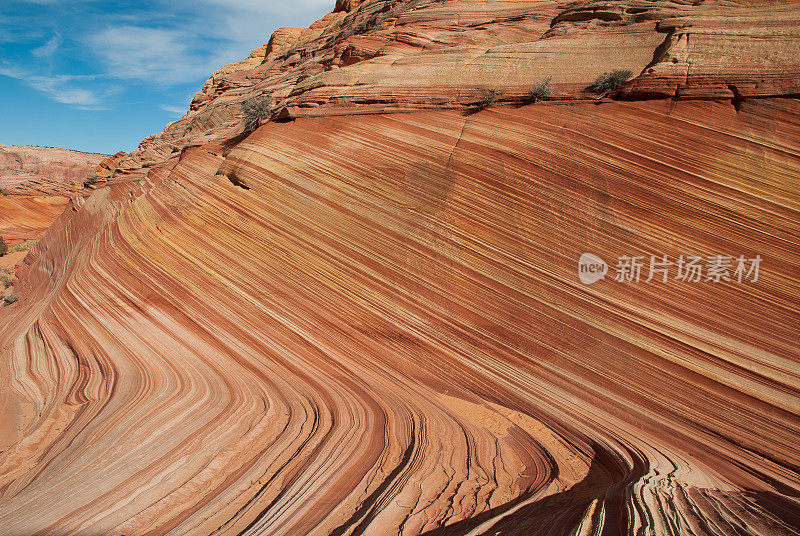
x=36 y=184
x=400 y=56
x=374 y=323
x=44 y=170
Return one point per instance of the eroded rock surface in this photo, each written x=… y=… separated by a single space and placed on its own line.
x=36 y=184
x=373 y=323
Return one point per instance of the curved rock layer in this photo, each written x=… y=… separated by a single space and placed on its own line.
x=405 y=55
x=36 y=184
x=375 y=326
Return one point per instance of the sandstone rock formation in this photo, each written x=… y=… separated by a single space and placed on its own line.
x=36 y=184
x=352 y=321
x=44 y=170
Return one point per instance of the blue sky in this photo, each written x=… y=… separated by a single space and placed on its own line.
x=100 y=76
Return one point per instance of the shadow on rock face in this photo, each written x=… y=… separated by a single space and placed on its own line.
x=558 y=514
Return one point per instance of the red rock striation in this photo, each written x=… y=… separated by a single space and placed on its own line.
x=36 y=184
x=373 y=323
x=43 y=170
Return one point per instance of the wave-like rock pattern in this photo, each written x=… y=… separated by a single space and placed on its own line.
x=409 y=55
x=375 y=326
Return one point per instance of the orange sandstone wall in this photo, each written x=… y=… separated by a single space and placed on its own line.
x=353 y=321
x=384 y=321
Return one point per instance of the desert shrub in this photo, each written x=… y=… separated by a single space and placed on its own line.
x=373 y=23
x=488 y=99
x=11 y=298
x=255 y=109
x=540 y=90
x=3 y=247
x=302 y=52
x=5 y=280
x=22 y=247
x=610 y=81
x=89 y=181
x=349 y=31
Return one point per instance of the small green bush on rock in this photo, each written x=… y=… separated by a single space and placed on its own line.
x=22 y=247
x=488 y=99
x=255 y=109
x=610 y=81
x=541 y=90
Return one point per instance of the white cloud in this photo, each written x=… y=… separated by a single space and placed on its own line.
x=49 y=48
x=252 y=21
x=58 y=87
x=178 y=110
x=162 y=43
x=163 y=56
x=293 y=7
x=228 y=30
x=60 y=90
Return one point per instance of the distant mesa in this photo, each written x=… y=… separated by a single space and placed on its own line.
x=36 y=184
